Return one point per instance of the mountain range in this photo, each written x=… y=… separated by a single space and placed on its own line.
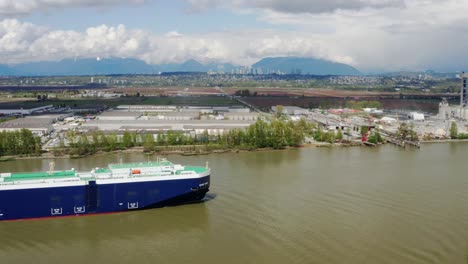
x=296 y=65
x=66 y=67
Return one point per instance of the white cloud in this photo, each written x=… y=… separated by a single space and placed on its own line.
x=370 y=34
x=174 y=34
x=421 y=35
x=22 y=42
x=18 y=7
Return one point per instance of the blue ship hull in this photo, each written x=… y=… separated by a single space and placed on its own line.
x=94 y=198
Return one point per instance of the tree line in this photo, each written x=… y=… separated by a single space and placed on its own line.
x=21 y=142
x=406 y=132
x=276 y=133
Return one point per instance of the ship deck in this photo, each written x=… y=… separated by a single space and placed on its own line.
x=96 y=173
x=39 y=175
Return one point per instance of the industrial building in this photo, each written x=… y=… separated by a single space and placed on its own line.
x=416 y=116
x=373 y=111
x=447 y=111
x=214 y=127
x=23 y=109
x=180 y=116
x=172 y=113
x=215 y=109
x=292 y=110
x=40 y=125
x=147 y=108
x=241 y=116
x=119 y=115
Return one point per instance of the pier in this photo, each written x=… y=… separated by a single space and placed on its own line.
x=393 y=139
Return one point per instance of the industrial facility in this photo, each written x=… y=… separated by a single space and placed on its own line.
x=460 y=112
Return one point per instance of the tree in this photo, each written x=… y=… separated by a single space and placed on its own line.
x=205 y=137
x=95 y=137
x=172 y=138
x=103 y=142
x=148 y=142
x=375 y=138
x=134 y=136
x=330 y=137
x=339 y=135
x=412 y=133
x=112 y=142
x=21 y=142
x=37 y=146
x=453 y=131
x=279 y=111
x=127 y=140
x=364 y=131
x=318 y=135
x=403 y=131
x=71 y=136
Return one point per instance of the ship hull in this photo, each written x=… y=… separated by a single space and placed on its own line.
x=99 y=197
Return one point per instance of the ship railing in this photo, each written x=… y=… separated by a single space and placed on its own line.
x=187 y=172
x=85 y=175
x=42 y=181
x=121 y=175
x=103 y=176
x=75 y=179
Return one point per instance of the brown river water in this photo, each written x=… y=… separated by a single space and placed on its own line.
x=312 y=205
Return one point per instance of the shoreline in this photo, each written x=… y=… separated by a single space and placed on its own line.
x=443 y=141
x=200 y=152
x=49 y=155
x=196 y=152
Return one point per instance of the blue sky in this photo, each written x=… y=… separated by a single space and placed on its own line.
x=155 y=16
x=384 y=35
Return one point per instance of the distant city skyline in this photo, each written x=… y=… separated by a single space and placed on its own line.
x=387 y=35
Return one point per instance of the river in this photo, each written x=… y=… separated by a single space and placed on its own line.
x=311 y=205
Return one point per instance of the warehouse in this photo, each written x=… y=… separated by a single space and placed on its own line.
x=147 y=108
x=180 y=116
x=214 y=127
x=292 y=110
x=22 y=109
x=119 y=115
x=38 y=126
x=241 y=116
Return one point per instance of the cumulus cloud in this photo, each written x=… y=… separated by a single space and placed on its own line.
x=418 y=36
x=18 y=7
x=24 y=42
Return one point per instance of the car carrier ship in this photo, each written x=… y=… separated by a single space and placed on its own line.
x=119 y=187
